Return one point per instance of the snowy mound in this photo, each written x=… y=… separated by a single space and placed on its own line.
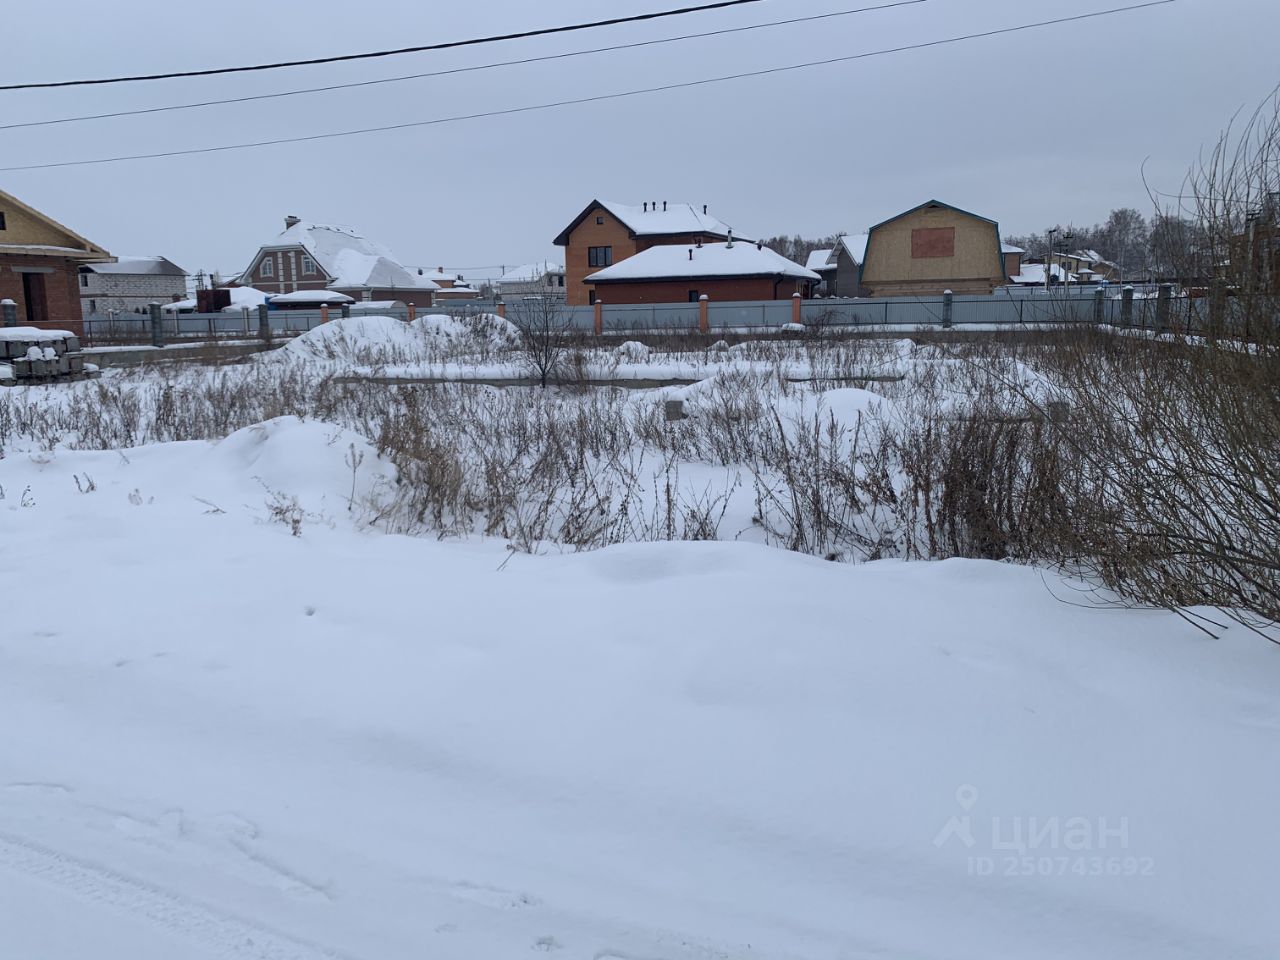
x=484 y=328
x=326 y=468
x=359 y=339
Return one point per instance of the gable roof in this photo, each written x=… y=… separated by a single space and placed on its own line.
x=82 y=247
x=935 y=204
x=711 y=261
x=856 y=246
x=138 y=266
x=350 y=259
x=531 y=272
x=654 y=220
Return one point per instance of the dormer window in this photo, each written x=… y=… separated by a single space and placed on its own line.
x=268 y=268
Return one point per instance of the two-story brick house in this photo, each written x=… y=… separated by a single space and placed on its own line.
x=606 y=233
x=130 y=284
x=39 y=265
x=314 y=256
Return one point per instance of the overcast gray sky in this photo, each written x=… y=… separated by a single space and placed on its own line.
x=1030 y=129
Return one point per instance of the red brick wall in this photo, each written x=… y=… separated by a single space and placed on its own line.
x=62 y=291
x=677 y=291
x=612 y=233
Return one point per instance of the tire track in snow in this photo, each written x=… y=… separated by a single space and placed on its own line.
x=223 y=933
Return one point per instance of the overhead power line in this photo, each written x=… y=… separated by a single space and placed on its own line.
x=510 y=111
x=377 y=54
x=457 y=70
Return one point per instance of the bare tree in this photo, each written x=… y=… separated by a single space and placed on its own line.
x=545 y=328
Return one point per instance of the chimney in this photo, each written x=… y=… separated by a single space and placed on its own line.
x=759 y=244
x=646 y=206
x=729 y=245
x=691 y=253
x=419 y=271
x=291 y=221
x=664 y=206
x=704 y=209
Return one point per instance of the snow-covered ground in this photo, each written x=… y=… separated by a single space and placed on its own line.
x=243 y=721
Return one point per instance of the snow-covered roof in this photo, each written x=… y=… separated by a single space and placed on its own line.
x=138 y=266
x=663 y=218
x=1010 y=248
x=1033 y=273
x=531 y=272
x=49 y=250
x=856 y=245
x=818 y=260
x=311 y=296
x=241 y=297
x=436 y=275
x=350 y=259
x=679 y=261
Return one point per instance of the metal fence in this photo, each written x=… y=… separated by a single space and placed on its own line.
x=1007 y=308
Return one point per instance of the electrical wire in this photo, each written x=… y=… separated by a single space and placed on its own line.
x=511 y=111
x=457 y=70
x=345 y=58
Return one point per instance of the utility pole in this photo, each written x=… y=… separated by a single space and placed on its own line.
x=1048 y=260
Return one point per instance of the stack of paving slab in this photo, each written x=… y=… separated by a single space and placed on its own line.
x=33 y=355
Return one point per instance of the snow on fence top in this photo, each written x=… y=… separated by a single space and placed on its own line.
x=33 y=334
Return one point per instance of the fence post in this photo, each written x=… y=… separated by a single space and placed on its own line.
x=502 y=309
x=346 y=311
x=796 y=302
x=948 y=299
x=157 y=325
x=599 y=320
x=1217 y=304
x=1126 y=305
x=1098 y=306
x=264 y=323
x=324 y=313
x=9 y=311
x=1164 y=301
x=413 y=313
x=704 y=314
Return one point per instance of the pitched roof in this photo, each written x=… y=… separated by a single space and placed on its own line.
x=1033 y=274
x=349 y=258
x=654 y=219
x=710 y=261
x=1010 y=248
x=138 y=266
x=530 y=272
x=937 y=204
x=856 y=246
x=818 y=260
x=82 y=247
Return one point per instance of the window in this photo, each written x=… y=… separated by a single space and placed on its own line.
x=268 y=268
x=600 y=256
x=93 y=306
x=599 y=221
x=694 y=296
x=933 y=242
x=308 y=266
x=591 y=297
x=559 y=279
x=2 y=220
x=84 y=278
